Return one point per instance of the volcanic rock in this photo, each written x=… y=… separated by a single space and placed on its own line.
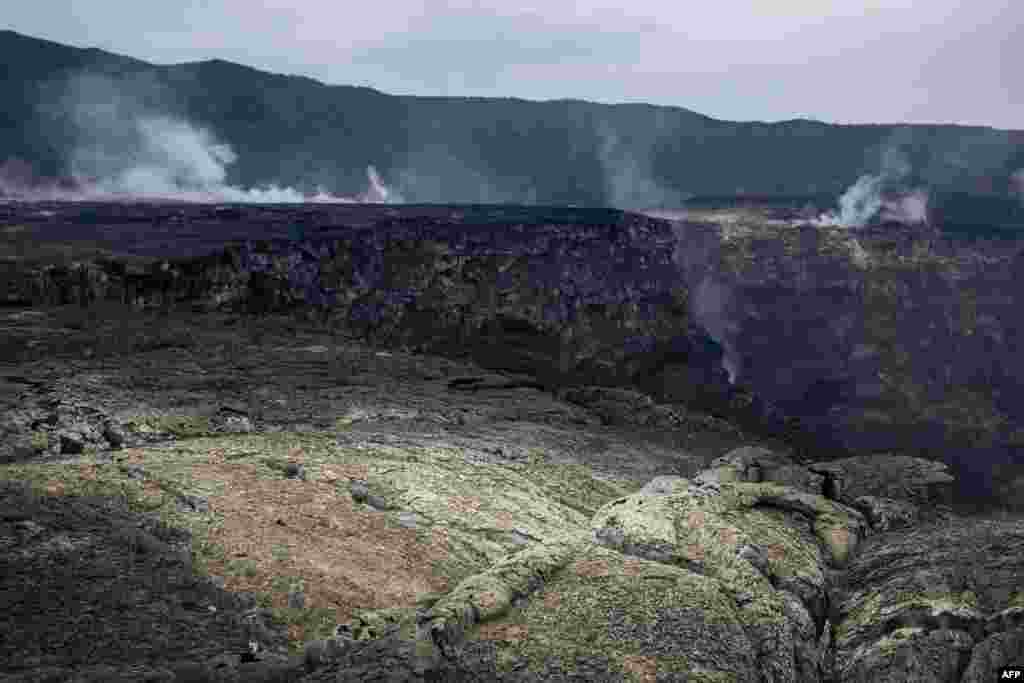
x=444 y=478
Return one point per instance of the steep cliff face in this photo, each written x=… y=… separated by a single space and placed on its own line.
x=890 y=337
x=885 y=338
x=572 y=296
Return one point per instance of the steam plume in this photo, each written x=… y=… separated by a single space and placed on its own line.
x=909 y=209
x=378 y=192
x=628 y=174
x=882 y=194
x=127 y=150
x=173 y=160
x=170 y=160
x=710 y=304
x=861 y=201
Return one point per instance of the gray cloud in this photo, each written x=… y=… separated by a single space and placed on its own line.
x=914 y=61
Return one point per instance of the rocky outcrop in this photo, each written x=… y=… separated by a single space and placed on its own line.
x=733 y=574
x=567 y=296
x=402 y=514
x=887 y=338
x=472 y=419
x=940 y=602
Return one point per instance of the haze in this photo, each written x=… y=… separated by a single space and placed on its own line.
x=882 y=61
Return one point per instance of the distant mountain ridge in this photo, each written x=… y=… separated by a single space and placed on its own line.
x=295 y=131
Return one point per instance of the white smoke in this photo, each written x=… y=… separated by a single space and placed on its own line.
x=629 y=177
x=710 y=308
x=667 y=214
x=170 y=160
x=883 y=194
x=174 y=160
x=909 y=209
x=377 y=192
x=731 y=365
x=861 y=202
x=127 y=150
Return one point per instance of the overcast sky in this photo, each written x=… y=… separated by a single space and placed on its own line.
x=841 y=61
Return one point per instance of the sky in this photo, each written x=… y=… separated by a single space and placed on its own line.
x=839 y=61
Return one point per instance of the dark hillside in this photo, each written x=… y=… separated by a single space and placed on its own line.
x=296 y=131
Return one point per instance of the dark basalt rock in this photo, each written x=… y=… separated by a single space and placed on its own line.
x=889 y=338
x=855 y=573
x=938 y=602
x=595 y=301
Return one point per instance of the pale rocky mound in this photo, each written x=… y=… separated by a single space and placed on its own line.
x=731 y=576
x=360 y=515
x=457 y=525
x=205 y=494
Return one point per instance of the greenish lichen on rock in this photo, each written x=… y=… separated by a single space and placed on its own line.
x=743 y=537
x=609 y=614
x=488 y=595
x=171 y=426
